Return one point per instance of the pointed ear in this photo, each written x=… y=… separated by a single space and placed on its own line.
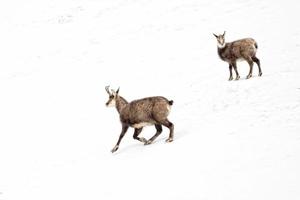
x=215 y=35
x=224 y=33
x=117 y=92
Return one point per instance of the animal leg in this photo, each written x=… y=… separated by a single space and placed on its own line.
x=257 y=61
x=236 y=71
x=250 y=62
x=158 y=132
x=170 y=125
x=137 y=131
x=124 y=130
x=230 y=71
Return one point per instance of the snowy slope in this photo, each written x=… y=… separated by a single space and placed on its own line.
x=233 y=140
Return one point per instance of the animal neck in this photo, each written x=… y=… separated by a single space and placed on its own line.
x=221 y=45
x=221 y=50
x=120 y=103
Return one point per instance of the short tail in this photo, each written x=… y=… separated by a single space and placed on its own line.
x=171 y=102
x=255 y=44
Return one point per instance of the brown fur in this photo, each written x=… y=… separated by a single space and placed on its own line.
x=142 y=112
x=231 y=52
x=151 y=109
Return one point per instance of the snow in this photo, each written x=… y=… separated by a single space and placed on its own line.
x=233 y=140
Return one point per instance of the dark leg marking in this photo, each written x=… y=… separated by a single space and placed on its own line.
x=170 y=125
x=137 y=131
x=124 y=130
x=236 y=71
x=250 y=62
x=230 y=71
x=158 y=132
x=257 y=61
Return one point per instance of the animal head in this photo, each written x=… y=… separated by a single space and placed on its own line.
x=221 y=40
x=112 y=97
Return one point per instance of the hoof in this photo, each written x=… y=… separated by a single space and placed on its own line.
x=260 y=74
x=115 y=149
x=230 y=78
x=148 y=142
x=169 y=140
x=144 y=140
x=249 y=76
x=237 y=78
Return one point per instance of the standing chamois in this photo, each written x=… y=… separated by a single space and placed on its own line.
x=140 y=113
x=231 y=52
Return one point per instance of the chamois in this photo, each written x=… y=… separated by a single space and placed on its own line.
x=140 y=113
x=239 y=50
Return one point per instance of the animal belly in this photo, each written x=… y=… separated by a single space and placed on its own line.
x=141 y=125
x=240 y=59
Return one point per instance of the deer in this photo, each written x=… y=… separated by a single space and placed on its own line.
x=239 y=50
x=140 y=113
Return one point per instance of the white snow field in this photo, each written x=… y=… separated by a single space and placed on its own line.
x=234 y=140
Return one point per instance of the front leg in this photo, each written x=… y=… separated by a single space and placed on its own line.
x=236 y=71
x=230 y=71
x=124 y=129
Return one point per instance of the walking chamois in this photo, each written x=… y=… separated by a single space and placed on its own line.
x=239 y=50
x=140 y=113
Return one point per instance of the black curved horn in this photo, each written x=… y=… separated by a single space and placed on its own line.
x=107 y=90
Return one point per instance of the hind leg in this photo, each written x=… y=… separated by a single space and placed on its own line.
x=250 y=62
x=257 y=61
x=158 y=132
x=170 y=125
x=137 y=131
